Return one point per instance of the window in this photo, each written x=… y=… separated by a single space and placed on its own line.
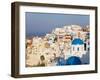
x=84 y=46
x=78 y=49
x=88 y=49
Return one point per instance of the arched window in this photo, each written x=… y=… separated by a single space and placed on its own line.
x=78 y=49
x=84 y=46
x=88 y=49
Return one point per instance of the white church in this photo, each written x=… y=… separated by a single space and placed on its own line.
x=77 y=47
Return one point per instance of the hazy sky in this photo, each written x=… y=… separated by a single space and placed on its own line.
x=39 y=24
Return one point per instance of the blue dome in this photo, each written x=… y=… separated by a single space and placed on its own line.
x=73 y=61
x=77 y=41
x=61 y=61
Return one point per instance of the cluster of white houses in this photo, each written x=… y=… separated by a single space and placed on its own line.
x=72 y=40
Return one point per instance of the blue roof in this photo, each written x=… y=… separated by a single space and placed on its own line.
x=73 y=60
x=61 y=61
x=77 y=41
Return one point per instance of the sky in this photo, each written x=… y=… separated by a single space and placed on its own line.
x=39 y=24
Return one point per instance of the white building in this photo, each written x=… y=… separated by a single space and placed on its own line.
x=77 y=48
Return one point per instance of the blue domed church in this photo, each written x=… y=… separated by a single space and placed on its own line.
x=77 y=47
